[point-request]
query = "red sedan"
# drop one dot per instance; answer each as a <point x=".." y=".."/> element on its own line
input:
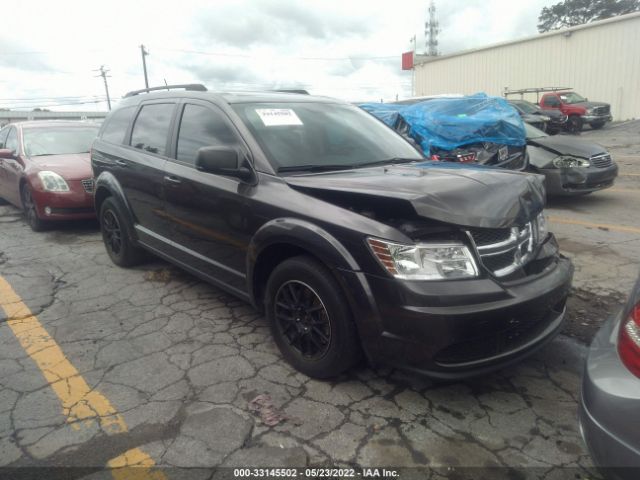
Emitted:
<point x="45" y="170"/>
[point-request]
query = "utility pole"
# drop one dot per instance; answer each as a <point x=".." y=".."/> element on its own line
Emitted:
<point x="431" y="30"/>
<point x="144" y="53"/>
<point x="103" y="74"/>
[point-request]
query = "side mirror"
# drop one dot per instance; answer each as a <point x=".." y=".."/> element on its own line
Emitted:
<point x="7" y="153"/>
<point x="222" y="161"/>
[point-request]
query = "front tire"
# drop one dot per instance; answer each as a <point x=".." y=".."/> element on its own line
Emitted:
<point x="597" y="125"/>
<point x="116" y="235"/>
<point x="574" y="124"/>
<point x="31" y="210"/>
<point x="310" y="318"/>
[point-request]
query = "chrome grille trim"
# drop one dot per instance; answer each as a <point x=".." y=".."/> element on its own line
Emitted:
<point x="601" y="161"/>
<point x="88" y="185"/>
<point x="517" y="249"/>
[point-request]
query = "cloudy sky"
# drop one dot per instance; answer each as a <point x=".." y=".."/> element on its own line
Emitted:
<point x="346" y="49"/>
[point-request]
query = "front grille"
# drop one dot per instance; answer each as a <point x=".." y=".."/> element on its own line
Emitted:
<point x="601" y="110"/>
<point x="601" y="161"/>
<point x="88" y="185"/>
<point x="503" y="250"/>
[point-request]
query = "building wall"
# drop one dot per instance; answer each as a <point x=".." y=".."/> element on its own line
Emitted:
<point x="601" y="61"/>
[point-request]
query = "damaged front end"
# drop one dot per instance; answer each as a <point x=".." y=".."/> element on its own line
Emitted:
<point x="472" y="281"/>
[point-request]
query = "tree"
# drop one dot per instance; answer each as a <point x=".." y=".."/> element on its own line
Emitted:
<point x="570" y="13"/>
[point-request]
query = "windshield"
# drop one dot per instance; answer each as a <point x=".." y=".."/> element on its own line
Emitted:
<point x="572" y="97"/>
<point x="322" y="136"/>
<point x="533" y="132"/>
<point x="61" y="140"/>
<point x="526" y="107"/>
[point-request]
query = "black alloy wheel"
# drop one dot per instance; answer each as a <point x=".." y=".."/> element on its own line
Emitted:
<point x="112" y="233"/>
<point x="117" y="237"/>
<point x="303" y="319"/>
<point x="310" y="318"/>
<point x="30" y="210"/>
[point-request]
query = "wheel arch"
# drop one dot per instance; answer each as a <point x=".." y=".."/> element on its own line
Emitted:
<point x="106" y="185"/>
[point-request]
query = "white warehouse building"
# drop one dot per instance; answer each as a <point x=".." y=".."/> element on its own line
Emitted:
<point x="599" y="60"/>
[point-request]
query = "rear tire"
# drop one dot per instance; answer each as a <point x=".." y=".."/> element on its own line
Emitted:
<point x="310" y="318"/>
<point x="31" y="210"/>
<point x="116" y="235"/>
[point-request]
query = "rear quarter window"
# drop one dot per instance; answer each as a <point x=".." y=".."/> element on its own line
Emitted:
<point x="116" y="125"/>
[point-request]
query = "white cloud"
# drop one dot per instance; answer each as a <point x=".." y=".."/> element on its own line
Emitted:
<point x="323" y="46"/>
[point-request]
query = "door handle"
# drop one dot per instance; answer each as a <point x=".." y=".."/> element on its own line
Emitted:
<point x="121" y="163"/>
<point x="172" y="179"/>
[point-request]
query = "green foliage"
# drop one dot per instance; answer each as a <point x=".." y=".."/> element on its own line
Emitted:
<point x="569" y="13"/>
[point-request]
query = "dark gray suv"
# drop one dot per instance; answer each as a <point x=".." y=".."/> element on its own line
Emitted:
<point x="335" y="226"/>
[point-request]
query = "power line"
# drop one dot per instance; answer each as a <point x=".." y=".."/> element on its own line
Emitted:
<point x="243" y="55"/>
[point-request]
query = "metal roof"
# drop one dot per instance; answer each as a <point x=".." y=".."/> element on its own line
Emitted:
<point x="563" y="31"/>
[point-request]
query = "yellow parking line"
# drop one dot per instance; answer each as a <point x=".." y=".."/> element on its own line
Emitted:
<point x="80" y="403"/>
<point x="629" y="174"/>
<point x="134" y="464"/>
<point x="606" y="226"/>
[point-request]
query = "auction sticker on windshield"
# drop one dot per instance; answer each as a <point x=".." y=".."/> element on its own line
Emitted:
<point x="273" y="117"/>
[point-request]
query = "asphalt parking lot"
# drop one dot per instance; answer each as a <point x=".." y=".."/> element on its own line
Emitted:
<point x="101" y="366"/>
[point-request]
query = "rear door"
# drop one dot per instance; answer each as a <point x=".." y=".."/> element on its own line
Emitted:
<point x="210" y="217"/>
<point x="141" y="171"/>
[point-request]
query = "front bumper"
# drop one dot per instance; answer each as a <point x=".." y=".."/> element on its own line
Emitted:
<point x="596" y="118"/>
<point x="456" y="329"/>
<point x="76" y="204"/>
<point x="578" y="180"/>
<point x="609" y="405"/>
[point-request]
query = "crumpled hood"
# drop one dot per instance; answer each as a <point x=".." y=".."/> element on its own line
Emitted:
<point x="71" y="166"/>
<point x="467" y="196"/>
<point x="565" y="145"/>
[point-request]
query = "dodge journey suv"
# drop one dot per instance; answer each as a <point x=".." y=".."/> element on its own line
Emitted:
<point x="335" y="226"/>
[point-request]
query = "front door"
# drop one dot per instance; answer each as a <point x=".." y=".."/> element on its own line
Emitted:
<point x="209" y="214"/>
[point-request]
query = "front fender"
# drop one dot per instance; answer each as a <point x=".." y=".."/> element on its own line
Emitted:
<point x="324" y="246"/>
<point x="303" y="234"/>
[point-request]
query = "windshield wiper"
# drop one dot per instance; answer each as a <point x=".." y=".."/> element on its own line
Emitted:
<point x="314" y="168"/>
<point x="388" y="161"/>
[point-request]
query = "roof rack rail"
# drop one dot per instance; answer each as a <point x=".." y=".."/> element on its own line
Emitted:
<point x="506" y="92"/>
<point x="194" y="87"/>
<point x="292" y="90"/>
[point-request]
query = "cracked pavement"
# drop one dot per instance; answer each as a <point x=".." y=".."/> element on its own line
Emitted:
<point x="180" y="361"/>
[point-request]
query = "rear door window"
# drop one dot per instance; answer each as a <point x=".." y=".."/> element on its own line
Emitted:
<point x="3" y="136"/>
<point x="117" y="125"/>
<point x="202" y="127"/>
<point x="12" y="140"/>
<point x="151" y="128"/>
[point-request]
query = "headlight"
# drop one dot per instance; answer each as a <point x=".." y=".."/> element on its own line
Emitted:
<point x="567" y="161"/>
<point x="52" y="182"/>
<point x="541" y="226"/>
<point x="437" y="261"/>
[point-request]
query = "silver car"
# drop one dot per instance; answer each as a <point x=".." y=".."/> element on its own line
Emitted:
<point x="610" y="404"/>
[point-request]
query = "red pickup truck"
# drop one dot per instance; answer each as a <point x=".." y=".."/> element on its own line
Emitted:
<point x="578" y="109"/>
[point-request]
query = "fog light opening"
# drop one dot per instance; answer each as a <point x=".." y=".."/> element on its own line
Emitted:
<point x="47" y="210"/>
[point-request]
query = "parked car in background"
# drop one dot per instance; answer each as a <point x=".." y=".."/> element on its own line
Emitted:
<point x="550" y="121"/>
<point x="335" y="226"/>
<point x="474" y="129"/>
<point x="45" y="170"/>
<point x="571" y="166"/>
<point x="578" y="109"/>
<point x="610" y="400"/>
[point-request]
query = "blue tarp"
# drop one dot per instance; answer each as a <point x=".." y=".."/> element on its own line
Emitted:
<point x="452" y="122"/>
